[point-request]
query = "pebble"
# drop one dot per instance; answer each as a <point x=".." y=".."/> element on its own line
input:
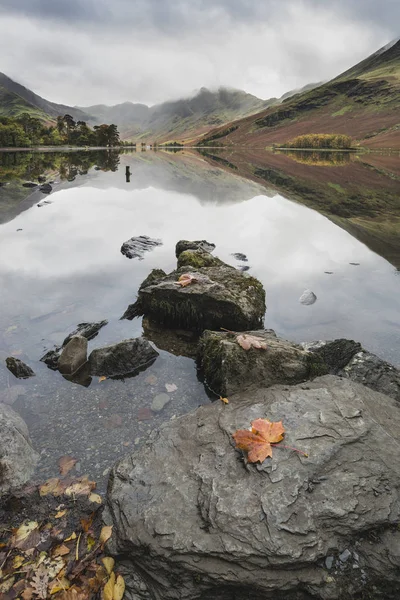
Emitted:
<point x="344" y="557"/>
<point x="329" y="562"/>
<point x="159" y="402"/>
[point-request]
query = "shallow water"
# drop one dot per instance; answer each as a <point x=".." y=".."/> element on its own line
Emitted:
<point x="65" y="267"/>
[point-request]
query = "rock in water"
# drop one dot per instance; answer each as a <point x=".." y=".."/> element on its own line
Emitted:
<point x="29" y="184"/>
<point x="137" y="246"/>
<point x="192" y="520"/>
<point x="240" y="256"/>
<point x="201" y="245"/>
<point x="19" y="368"/>
<point x="73" y="356"/>
<point x="46" y="188"/>
<point x="87" y="330"/>
<point x="307" y="298"/>
<point x="228" y="368"/>
<point x="126" y="358"/>
<point x="17" y="457"/>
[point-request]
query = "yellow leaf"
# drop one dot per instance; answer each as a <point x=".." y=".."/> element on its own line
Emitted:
<point x="23" y="531"/>
<point x="71" y="537"/>
<point x="60" y="514"/>
<point x="66" y="463"/>
<point x="49" y="487"/>
<point x="95" y="498"/>
<point x="59" y="585"/>
<point x="61" y="550"/>
<point x="102" y="378"/>
<point x="119" y="588"/>
<point x="108" y="591"/>
<point x="18" y="562"/>
<point x="7" y="584"/>
<point x="105" y="534"/>
<point x="91" y="542"/>
<point x="224" y="400"/>
<point x="80" y="486"/>
<point x="108" y="563"/>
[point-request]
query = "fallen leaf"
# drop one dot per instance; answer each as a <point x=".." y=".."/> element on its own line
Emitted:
<point x="144" y="414"/>
<point x="257" y="441"/>
<point x="186" y="279"/>
<point x="87" y="523"/>
<point x="224" y="400"/>
<point x="95" y="498"/>
<point x="80" y="486"/>
<point x="105" y="534"/>
<point x="151" y="380"/>
<point x="108" y="591"/>
<point x="60" y="514"/>
<point x="6" y="585"/>
<point x="61" y="550"/>
<point x="18" y="561"/>
<point x="171" y="387"/>
<point x="113" y="422"/>
<point x="91" y="542"/>
<point x="27" y="536"/>
<point x="59" y="585"/>
<point x="108" y="563"/>
<point x="51" y="486"/>
<point x="71" y="537"/>
<point x="40" y="582"/>
<point x="119" y="588"/>
<point x="102" y="378"/>
<point x="247" y="341"/>
<point x="66" y="463"/>
<point x="27" y="594"/>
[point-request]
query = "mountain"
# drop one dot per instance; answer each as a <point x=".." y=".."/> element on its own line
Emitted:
<point x="363" y="102"/>
<point x="16" y="99"/>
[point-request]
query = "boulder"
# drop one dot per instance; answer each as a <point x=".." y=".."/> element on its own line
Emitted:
<point x="17" y="457"/>
<point x="73" y="356"/>
<point x="136" y="247"/>
<point x="202" y="245"/>
<point x="348" y="359"/>
<point x="124" y="359"/>
<point x="193" y="520"/>
<point x="219" y="296"/>
<point x="198" y="259"/>
<point x="227" y="368"/>
<point x="19" y="368"/>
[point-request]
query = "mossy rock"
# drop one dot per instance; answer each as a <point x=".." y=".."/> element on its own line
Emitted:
<point x="198" y="259"/>
<point x="228" y="368"/>
<point x="202" y="245"/>
<point x="219" y="297"/>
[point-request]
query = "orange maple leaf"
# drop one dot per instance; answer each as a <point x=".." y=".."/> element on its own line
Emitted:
<point x="257" y="441"/>
<point x="186" y="279"/>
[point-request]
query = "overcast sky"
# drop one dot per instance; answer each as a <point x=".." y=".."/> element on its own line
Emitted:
<point x="82" y="52"/>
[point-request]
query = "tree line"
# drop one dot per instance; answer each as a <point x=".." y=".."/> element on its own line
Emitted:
<point x="321" y="140"/>
<point x="25" y="130"/>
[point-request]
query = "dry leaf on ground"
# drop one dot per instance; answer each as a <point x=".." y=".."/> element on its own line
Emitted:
<point x="40" y="581"/>
<point x="102" y="378"/>
<point x="119" y="588"/>
<point x="224" y="400"/>
<point x="95" y="498"/>
<point x="247" y="341"/>
<point x="105" y="534"/>
<point x="257" y="441"/>
<point x="60" y="514"/>
<point x="108" y="591"/>
<point x="66" y="463"/>
<point x="80" y="486"/>
<point x="108" y="563"/>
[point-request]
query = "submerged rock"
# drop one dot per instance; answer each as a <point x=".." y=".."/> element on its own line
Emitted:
<point x="29" y="184"/>
<point x="228" y="368"/>
<point x="51" y="358"/>
<point x="19" y="368"/>
<point x="17" y="457"/>
<point x="46" y="188"/>
<point x="218" y="296"/>
<point x="179" y="342"/>
<point x="160" y="401"/>
<point x="192" y="519"/>
<point x="87" y="330"/>
<point x="240" y="256"/>
<point x="73" y="355"/>
<point x="201" y="245"/>
<point x="136" y="247"/>
<point x="124" y="359"/>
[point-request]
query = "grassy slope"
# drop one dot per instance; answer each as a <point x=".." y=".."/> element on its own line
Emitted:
<point x="364" y="102"/>
<point x="12" y="105"/>
<point x="361" y="195"/>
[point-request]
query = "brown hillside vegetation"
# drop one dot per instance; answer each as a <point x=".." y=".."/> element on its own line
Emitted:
<point x="364" y="103"/>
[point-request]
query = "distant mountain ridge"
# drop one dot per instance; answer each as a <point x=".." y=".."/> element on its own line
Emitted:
<point x="174" y="120"/>
<point x="363" y="102"/>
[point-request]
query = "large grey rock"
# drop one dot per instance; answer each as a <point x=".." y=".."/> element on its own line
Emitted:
<point x="192" y="520"/>
<point x="227" y="368"/>
<point x="136" y="247"/>
<point x="73" y="356"/>
<point x="129" y="357"/>
<point x="348" y="359"/>
<point x="219" y="297"/>
<point x="202" y="245"/>
<point x="17" y="457"/>
<point x="18" y="368"/>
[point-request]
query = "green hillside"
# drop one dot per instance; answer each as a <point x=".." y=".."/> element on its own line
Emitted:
<point x="12" y="105"/>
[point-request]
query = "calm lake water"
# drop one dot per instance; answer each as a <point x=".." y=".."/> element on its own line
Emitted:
<point x="60" y="265"/>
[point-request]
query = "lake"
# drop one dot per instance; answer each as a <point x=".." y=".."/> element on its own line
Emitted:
<point x="329" y="223"/>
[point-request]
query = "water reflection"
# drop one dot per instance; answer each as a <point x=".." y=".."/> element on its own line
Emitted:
<point x="318" y="158"/>
<point x="61" y="265"/>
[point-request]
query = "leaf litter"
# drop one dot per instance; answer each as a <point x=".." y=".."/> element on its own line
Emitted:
<point x="60" y="552"/>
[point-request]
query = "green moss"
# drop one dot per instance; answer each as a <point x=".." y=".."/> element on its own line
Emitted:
<point x="198" y="259"/>
<point x="316" y="366"/>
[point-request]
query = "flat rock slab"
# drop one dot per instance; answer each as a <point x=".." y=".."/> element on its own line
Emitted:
<point x="127" y="358"/>
<point x="136" y="247"/>
<point x="228" y="368"/>
<point x="17" y="457"/>
<point x="219" y="296"/>
<point x="18" y="368"/>
<point x="192" y="520"/>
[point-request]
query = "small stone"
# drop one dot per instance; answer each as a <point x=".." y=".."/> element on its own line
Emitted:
<point x="329" y="562"/>
<point x="344" y="557"/>
<point x="159" y="402"/>
<point x="171" y="387"/>
<point x="18" y="368"/>
<point x="137" y="441"/>
<point x="307" y="298"/>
